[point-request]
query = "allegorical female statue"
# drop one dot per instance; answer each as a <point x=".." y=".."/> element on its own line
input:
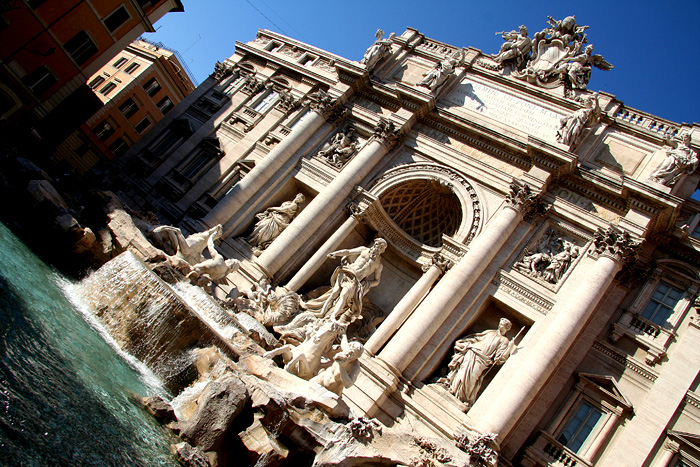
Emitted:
<point x="272" y="222"/>
<point x="473" y="356"/>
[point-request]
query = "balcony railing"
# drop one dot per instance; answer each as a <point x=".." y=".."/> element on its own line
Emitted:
<point x="548" y="451"/>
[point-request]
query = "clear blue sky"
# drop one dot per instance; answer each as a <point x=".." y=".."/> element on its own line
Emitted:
<point x="652" y="44"/>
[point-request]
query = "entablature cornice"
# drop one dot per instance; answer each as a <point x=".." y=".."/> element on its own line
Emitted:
<point x="279" y="61"/>
<point x="551" y="158"/>
<point x="662" y="207"/>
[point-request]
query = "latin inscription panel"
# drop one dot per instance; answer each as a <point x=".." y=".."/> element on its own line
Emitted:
<point x="506" y="109"/>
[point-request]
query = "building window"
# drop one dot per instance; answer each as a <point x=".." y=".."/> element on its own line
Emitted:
<point x="131" y="68"/>
<point x="40" y="80"/>
<point x="266" y="103"/>
<point x="273" y="46"/>
<point x="120" y="62"/>
<point x="661" y="304"/>
<point x="579" y="427"/>
<point x="128" y="107"/>
<point x="81" y="47"/>
<point x="116" y="19"/>
<point x="96" y="82"/>
<point x="165" y="105"/>
<point x="119" y="147"/>
<point x="109" y="87"/>
<point x="307" y="60"/>
<point x="144" y="4"/>
<point x="35" y="3"/>
<point x="104" y="130"/>
<point x="152" y="87"/>
<point x="143" y="124"/>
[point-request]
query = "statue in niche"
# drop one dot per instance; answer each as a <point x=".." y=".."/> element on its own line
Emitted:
<point x="680" y="159"/>
<point x="571" y="127"/>
<point x="345" y="367"/>
<point x="378" y="50"/>
<point x="188" y="249"/>
<point x="435" y="78"/>
<point x="578" y="69"/>
<point x="340" y="148"/>
<point x="550" y="260"/>
<point x="516" y="49"/>
<point x="360" y="269"/>
<point x="271" y="222"/>
<point x="473" y="357"/>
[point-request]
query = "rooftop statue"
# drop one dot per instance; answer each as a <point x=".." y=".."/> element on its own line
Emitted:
<point x="271" y="222"/>
<point x="378" y="50"/>
<point x="435" y="78"/>
<point x="516" y="49"/>
<point x="555" y="54"/>
<point x="680" y="159"/>
<point x="571" y="127"/>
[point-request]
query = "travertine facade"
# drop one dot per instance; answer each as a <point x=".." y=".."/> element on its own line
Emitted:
<point x="504" y="188"/>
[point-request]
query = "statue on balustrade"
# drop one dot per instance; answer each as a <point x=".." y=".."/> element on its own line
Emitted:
<point x="378" y="50"/>
<point x="435" y="78"/>
<point x="571" y="127"/>
<point x="341" y="147"/>
<point x="473" y="357"/>
<point x="516" y="49"/>
<point x="272" y="222"/>
<point x="680" y="159"/>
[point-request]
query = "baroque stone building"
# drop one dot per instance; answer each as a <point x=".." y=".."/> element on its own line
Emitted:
<point x="504" y="189"/>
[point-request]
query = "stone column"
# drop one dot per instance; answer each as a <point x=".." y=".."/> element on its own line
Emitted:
<point x="669" y="450"/>
<point x="329" y="199"/>
<point x="425" y="321"/>
<point x="246" y="188"/>
<point x="403" y="309"/>
<point x="321" y="254"/>
<point x="602" y="438"/>
<point x="572" y="311"/>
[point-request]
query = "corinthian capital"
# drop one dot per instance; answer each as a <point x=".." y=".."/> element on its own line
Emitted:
<point x="222" y="70"/>
<point x="521" y="198"/>
<point x="615" y="244"/>
<point x="386" y="133"/>
<point x="440" y="262"/>
<point x="323" y="104"/>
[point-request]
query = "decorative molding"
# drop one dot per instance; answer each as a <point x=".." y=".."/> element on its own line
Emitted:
<point x="386" y="134"/>
<point x="616" y="244"/>
<point x="516" y="289"/>
<point x="623" y="359"/>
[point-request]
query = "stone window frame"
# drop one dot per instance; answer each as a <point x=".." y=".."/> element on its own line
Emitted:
<point x="145" y="123"/>
<point x="131" y="68"/>
<point x="602" y="393"/>
<point x="81" y="48"/>
<point x="308" y="59"/>
<point x="678" y="447"/>
<point x="129" y="107"/>
<point x="273" y="46"/>
<point x="107" y="20"/>
<point x="261" y="99"/>
<point x="648" y="335"/>
<point x="199" y="160"/>
<point x="167" y="141"/>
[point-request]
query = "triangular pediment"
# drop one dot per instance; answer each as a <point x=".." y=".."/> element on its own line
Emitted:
<point x="608" y="385"/>
<point x="691" y="440"/>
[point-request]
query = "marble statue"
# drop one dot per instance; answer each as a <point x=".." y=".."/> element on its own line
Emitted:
<point x="559" y="263"/>
<point x="259" y="292"/>
<point x="571" y="127"/>
<point x="578" y="69"/>
<point x="473" y="356"/>
<point x="378" y="50"/>
<point x="271" y="222"/>
<point x="188" y="249"/>
<point x="214" y="269"/>
<point x="680" y="159"/>
<point x="435" y="78"/>
<point x="340" y="148"/>
<point x="344" y="370"/>
<point x="304" y="360"/>
<point x="516" y="49"/>
<point x="557" y="54"/>
<point x="360" y="269"/>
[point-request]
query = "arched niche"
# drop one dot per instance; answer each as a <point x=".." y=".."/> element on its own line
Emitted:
<point x="423" y="208"/>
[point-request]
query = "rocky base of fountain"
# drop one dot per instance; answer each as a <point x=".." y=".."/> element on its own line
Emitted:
<point x="232" y="405"/>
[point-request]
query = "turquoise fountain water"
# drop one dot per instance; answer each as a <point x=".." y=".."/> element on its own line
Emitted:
<point x="67" y="394"/>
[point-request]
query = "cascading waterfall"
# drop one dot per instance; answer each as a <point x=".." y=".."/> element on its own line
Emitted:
<point x="66" y="396"/>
